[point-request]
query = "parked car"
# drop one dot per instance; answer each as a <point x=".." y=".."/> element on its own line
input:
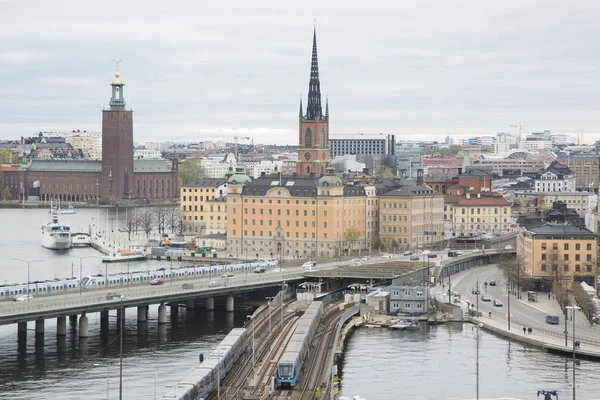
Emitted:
<point x="475" y="291"/>
<point x="157" y="281"/>
<point x="414" y="258"/>
<point x="113" y="295"/>
<point x="497" y="303"/>
<point x="187" y="285"/>
<point x="259" y="270"/>
<point x="407" y="253"/>
<point x="486" y="297"/>
<point x="228" y="275"/>
<point x="23" y="297"/>
<point x="214" y="284"/>
<point x="309" y="265"/>
<point x="492" y="283"/>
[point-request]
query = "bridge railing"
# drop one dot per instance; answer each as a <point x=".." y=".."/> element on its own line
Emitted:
<point x="152" y="293"/>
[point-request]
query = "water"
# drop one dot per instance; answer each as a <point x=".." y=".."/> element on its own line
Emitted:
<point x="439" y="362"/>
<point x="432" y="363"/>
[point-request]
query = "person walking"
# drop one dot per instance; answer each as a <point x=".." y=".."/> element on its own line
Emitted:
<point x="524" y="330"/>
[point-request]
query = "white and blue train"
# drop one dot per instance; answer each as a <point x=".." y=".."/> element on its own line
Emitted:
<point x="296" y="351"/>
<point x="203" y="379"/>
<point x="58" y="286"/>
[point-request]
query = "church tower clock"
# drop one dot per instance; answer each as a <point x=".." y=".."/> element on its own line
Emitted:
<point x="313" y="138"/>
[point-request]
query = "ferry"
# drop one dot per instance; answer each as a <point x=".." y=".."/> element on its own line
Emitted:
<point x="123" y="255"/>
<point x="56" y="236"/>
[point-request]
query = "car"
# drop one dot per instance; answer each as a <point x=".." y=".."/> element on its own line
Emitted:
<point x="414" y="258"/>
<point x="259" y="270"/>
<point x="407" y="253"/>
<point x="228" y="275"/>
<point x="486" y="297"/>
<point x="492" y="283"/>
<point x="453" y="253"/>
<point x="366" y="258"/>
<point x="309" y="264"/>
<point x="508" y="247"/>
<point x="497" y="303"/>
<point x="388" y="256"/>
<point x="425" y="252"/>
<point x="432" y="255"/>
<point x="475" y="291"/>
<point x="277" y="270"/>
<point x="113" y="295"/>
<point x="476" y="250"/>
<point x="187" y="285"/>
<point x="214" y="284"/>
<point x="157" y="281"/>
<point x="552" y="319"/>
<point x="23" y="297"/>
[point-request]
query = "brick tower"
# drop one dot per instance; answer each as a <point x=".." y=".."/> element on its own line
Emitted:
<point x="117" y="146"/>
<point x="313" y="141"/>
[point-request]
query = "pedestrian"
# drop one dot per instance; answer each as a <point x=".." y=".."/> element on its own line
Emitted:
<point x="549" y="296"/>
<point x="529" y="330"/>
<point x="524" y="329"/>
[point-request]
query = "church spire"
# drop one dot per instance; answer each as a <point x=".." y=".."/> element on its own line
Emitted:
<point x="313" y="110"/>
<point x="300" y="115"/>
<point x="327" y="106"/>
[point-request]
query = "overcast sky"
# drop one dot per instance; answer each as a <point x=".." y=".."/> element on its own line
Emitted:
<point x="205" y="70"/>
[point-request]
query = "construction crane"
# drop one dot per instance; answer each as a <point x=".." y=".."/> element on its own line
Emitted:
<point x="235" y="139"/>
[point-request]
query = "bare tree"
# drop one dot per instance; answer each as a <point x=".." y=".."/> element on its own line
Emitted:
<point x="182" y="225"/>
<point x="146" y="221"/>
<point x="130" y="224"/>
<point x="160" y="216"/>
<point x="172" y="218"/>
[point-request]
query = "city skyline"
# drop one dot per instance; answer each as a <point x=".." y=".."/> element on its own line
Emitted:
<point x="198" y="73"/>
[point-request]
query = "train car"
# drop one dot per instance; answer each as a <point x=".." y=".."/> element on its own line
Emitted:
<point x="203" y="380"/>
<point x="122" y="279"/>
<point x="290" y="363"/>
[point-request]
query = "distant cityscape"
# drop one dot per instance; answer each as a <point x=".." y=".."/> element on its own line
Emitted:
<point x="325" y="197"/>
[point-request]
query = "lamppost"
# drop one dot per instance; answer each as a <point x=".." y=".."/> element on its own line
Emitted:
<point x="283" y="286"/>
<point x="269" y="300"/>
<point x="573" y="308"/>
<point x="480" y="325"/>
<point x="250" y="318"/>
<point x="508" y="294"/>
<point x="81" y="271"/>
<point x="27" y="262"/>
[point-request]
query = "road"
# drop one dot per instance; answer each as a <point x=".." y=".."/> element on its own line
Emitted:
<point x="523" y="312"/>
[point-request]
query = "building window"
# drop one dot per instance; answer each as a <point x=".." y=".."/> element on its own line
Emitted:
<point x="577" y="246"/>
<point x="589" y="246"/>
<point x="577" y="268"/>
<point x="566" y="247"/>
<point x="577" y="257"/>
<point x="544" y="267"/>
<point x="588" y="257"/>
<point x="543" y="246"/>
<point x="566" y="257"/>
<point x="566" y="267"/>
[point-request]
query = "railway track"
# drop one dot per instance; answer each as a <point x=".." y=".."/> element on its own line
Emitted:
<point x="234" y="383"/>
<point x="320" y="356"/>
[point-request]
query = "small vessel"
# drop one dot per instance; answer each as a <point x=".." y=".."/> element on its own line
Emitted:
<point x="132" y="254"/>
<point x="56" y="236"/>
<point x="68" y="210"/>
<point x="81" y="239"/>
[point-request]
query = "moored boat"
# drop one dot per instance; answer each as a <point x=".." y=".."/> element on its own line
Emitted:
<point x="125" y="255"/>
<point x="56" y="236"/>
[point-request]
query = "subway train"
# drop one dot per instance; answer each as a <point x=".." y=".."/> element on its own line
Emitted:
<point x="58" y="286"/>
<point x="203" y="379"/>
<point x="290" y="364"/>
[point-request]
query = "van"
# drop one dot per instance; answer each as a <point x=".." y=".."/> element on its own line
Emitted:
<point x="309" y="265"/>
<point x="552" y="319"/>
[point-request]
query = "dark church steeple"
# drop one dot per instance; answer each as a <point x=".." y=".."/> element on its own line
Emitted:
<point x="313" y="110"/>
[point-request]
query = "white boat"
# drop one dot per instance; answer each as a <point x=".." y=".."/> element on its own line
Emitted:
<point x="125" y="255"/>
<point x="59" y="210"/>
<point x="56" y="236"/>
<point x="81" y="239"/>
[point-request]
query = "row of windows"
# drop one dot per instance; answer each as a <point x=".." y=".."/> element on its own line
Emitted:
<point x="566" y="246"/>
<point x="185" y="198"/>
<point x="196" y="190"/>
<point x="408" y="306"/>
<point x="305" y="223"/>
<point x="418" y="293"/>
<point x="588" y="268"/>
<point x="566" y="257"/>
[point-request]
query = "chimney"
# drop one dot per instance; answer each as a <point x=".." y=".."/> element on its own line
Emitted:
<point x="468" y="195"/>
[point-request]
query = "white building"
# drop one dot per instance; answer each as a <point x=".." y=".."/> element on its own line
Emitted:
<point x="146" y="154"/>
<point x="556" y="178"/>
<point x="89" y="142"/>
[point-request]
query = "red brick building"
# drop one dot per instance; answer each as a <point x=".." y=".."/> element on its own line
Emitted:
<point x="118" y="176"/>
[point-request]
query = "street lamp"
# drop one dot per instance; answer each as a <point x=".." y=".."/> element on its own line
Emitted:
<point x="269" y="300"/>
<point x="480" y="325"/>
<point x="283" y="286"/>
<point x="573" y="308"/>
<point x="28" y="262"/>
<point x="81" y="271"/>
<point x="508" y="294"/>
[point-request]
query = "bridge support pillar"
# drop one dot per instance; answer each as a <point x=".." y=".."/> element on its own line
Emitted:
<point x="190" y="304"/>
<point x="61" y="326"/>
<point x="229" y="304"/>
<point x="103" y="316"/>
<point x="73" y="320"/>
<point x="39" y="327"/>
<point x="174" y="311"/>
<point x="83" y="326"/>
<point x="210" y="303"/>
<point x="162" y="314"/>
<point x="142" y="314"/>
<point x="22" y="328"/>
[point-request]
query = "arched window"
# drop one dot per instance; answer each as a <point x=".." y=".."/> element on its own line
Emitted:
<point x="322" y="139"/>
<point x="308" y="138"/>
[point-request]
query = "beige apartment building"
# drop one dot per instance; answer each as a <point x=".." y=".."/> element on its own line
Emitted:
<point x="411" y="216"/>
<point x="203" y="207"/>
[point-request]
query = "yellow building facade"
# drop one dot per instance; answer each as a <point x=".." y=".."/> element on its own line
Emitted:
<point x="561" y="252"/>
<point x="202" y="208"/>
<point x="411" y="216"/>
<point x="294" y="217"/>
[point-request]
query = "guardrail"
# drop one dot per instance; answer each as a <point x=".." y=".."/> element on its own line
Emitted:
<point x="345" y="316"/>
<point x="156" y="294"/>
<point x="559" y="334"/>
